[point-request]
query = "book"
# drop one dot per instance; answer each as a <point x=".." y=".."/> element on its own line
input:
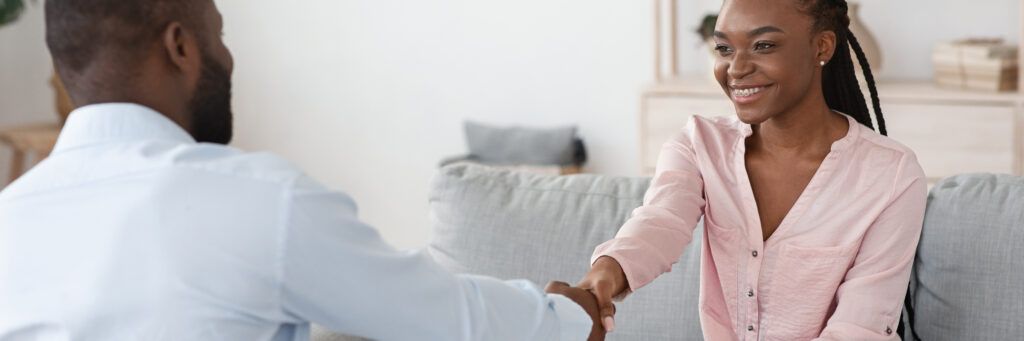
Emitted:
<point x="982" y="64"/>
<point x="978" y="49"/>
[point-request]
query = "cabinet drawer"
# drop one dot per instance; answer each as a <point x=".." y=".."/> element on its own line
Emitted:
<point x="663" y="117"/>
<point x="953" y="139"/>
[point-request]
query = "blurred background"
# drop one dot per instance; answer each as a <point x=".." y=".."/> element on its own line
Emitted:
<point x="368" y="96"/>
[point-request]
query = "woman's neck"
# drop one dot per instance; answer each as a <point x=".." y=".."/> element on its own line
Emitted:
<point x="809" y="130"/>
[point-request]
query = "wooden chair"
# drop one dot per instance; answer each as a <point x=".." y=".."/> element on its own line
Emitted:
<point x="36" y="140"/>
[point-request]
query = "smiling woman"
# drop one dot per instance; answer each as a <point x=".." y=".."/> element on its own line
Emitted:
<point x="831" y="41"/>
<point x="811" y="217"/>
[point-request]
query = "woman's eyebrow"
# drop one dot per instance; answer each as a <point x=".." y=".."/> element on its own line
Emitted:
<point x="764" y="30"/>
<point x="753" y="33"/>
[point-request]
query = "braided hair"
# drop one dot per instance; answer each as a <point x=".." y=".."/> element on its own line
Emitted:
<point x="839" y="79"/>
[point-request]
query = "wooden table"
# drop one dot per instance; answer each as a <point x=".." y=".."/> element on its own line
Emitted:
<point x="36" y="140"/>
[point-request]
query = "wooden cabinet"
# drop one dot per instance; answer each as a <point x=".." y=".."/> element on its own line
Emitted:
<point x="957" y="138"/>
<point x="666" y="115"/>
<point x="952" y="132"/>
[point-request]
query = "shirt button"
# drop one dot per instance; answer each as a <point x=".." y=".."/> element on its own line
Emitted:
<point x="750" y="293"/>
<point x="888" y="330"/>
<point x="750" y="328"/>
<point x="754" y="253"/>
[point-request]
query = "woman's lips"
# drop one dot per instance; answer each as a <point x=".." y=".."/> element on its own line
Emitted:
<point x="747" y="94"/>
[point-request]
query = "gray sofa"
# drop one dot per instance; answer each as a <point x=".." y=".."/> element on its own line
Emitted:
<point x="967" y="281"/>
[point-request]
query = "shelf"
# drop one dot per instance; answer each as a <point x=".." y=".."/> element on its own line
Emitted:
<point x="889" y="91"/>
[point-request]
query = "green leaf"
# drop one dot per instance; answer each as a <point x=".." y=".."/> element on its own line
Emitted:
<point x="10" y="10"/>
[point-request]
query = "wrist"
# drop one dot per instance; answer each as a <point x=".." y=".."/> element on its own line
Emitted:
<point x="611" y="270"/>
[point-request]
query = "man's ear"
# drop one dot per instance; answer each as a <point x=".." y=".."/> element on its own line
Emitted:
<point x="825" y="45"/>
<point x="182" y="50"/>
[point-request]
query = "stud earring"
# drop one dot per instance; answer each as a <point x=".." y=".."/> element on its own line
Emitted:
<point x="822" y="63"/>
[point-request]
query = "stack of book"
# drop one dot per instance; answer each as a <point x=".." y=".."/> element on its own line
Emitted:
<point x="979" y="64"/>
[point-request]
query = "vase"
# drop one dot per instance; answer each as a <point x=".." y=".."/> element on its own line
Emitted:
<point x="866" y="39"/>
<point x="62" y="102"/>
<point x="712" y="59"/>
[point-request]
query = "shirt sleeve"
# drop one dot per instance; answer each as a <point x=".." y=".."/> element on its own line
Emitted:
<point x="870" y="299"/>
<point x="339" y="273"/>
<point x="654" y="238"/>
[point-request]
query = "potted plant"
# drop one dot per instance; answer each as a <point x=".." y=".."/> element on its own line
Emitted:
<point x="706" y="31"/>
<point x="707" y="27"/>
<point x="10" y="11"/>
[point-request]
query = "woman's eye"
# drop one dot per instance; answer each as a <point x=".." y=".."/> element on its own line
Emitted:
<point x="722" y="49"/>
<point x="763" y="46"/>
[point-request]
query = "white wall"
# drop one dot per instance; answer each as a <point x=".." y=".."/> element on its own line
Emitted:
<point x="25" y="69"/>
<point x="367" y="95"/>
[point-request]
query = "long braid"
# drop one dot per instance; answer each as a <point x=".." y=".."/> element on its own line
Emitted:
<point x="840" y="86"/>
<point x="839" y="77"/>
<point x="870" y="79"/>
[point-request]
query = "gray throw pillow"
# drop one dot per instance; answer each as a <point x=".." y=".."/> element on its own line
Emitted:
<point x="521" y="146"/>
<point x="516" y="225"/>
<point x="969" y="272"/>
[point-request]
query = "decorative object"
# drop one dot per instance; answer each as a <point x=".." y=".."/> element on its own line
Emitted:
<point x="977" y="64"/>
<point x="61" y="98"/>
<point x="707" y="27"/>
<point x="706" y="30"/>
<point x="540" y="150"/>
<point x="10" y="10"/>
<point x="866" y="39"/>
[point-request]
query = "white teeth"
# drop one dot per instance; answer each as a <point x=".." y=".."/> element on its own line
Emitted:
<point x="746" y="92"/>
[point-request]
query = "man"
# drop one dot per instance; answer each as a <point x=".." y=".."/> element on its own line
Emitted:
<point x="142" y="225"/>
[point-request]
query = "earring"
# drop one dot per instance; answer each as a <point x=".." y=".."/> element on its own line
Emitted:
<point x="822" y="63"/>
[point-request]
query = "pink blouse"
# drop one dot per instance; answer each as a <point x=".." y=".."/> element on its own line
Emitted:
<point x="837" y="267"/>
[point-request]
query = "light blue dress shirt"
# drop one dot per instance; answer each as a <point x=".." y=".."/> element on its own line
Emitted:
<point x="131" y="230"/>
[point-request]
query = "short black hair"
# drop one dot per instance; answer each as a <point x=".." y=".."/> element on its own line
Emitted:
<point x="78" y="31"/>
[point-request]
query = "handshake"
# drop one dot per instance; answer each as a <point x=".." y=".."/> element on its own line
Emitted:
<point x="594" y="293"/>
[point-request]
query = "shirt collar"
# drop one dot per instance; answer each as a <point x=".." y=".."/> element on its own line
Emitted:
<point x="851" y="134"/>
<point x="108" y="122"/>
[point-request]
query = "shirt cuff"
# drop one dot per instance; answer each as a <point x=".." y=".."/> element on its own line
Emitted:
<point x="574" y="322"/>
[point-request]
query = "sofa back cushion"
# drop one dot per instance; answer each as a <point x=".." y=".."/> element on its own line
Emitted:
<point x="969" y="272"/>
<point x="542" y="228"/>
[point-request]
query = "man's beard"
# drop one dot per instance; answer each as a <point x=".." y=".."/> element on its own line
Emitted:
<point x="210" y="108"/>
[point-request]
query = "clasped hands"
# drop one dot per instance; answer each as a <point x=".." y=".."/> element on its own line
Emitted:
<point x="595" y="292"/>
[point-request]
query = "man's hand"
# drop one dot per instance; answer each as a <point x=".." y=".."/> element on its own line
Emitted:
<point x="586" y="300"/>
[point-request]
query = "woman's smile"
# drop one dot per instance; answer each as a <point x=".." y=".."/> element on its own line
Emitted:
<point x="746" y="94"/>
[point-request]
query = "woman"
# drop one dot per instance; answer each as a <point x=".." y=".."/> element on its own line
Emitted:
<point x="811" y="218"/>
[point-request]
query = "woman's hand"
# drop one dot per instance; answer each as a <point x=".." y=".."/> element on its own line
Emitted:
<point x="605" y="280"/>
<point x="586" y="300"/>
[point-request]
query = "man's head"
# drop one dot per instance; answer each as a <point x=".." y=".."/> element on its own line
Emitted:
<point x="165" y="54"/>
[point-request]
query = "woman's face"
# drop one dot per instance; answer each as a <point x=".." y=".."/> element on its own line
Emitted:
<point x="767" y="57"/>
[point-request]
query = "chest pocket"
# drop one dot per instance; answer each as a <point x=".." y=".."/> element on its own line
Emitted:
<point x="803" y="289"/>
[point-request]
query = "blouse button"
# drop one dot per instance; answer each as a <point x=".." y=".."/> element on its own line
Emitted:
<point x="754" y="253"/>
<point x="750" y="293"/>
<point x="750" y="328"/>
<point x="888" y="330"/>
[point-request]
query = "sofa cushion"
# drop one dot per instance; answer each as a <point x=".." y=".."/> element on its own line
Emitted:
<point x="542" y="228"/>
<point x="521" y="146"/>
<point x="969" y="272"/>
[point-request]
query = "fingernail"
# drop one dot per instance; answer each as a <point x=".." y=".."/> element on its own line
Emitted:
<point x="609" y="324"/>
